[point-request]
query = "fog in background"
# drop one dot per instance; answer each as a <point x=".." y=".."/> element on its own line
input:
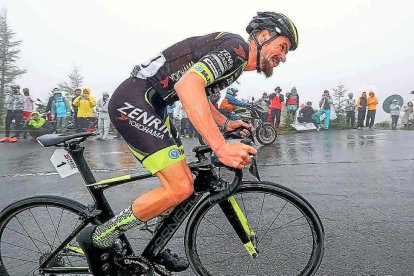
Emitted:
<point x="355" y="43"/>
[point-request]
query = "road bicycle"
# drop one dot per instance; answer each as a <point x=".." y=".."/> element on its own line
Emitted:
<point x="233" y="227"/>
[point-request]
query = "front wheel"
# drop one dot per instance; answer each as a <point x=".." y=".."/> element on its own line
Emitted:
<point x="266" y="134"/>
<point x="288" y="234"/>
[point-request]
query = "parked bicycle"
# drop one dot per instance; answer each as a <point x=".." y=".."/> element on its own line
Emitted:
<point x="238" y="227"/>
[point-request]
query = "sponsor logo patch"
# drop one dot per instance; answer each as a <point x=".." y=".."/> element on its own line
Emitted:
<point x="174" y="153"/>
<point x="198" y="68"/>
<point x="240" y="51"/>
<point x="164" y="82"/>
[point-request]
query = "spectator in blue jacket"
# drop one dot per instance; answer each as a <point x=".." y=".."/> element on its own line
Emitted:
<point x="60" y="112"/>
<point x="229" y="103"/>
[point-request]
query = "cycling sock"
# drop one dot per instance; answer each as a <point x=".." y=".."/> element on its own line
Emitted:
<point x="105" y="235"/>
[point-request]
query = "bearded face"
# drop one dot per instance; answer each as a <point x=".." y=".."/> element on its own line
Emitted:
<point x="267" y="68"/>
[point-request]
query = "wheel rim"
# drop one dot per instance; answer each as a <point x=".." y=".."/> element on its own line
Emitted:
<point x="28" y="236"/>
<point x="267" y="134"/>
<point x="220" y="252"/>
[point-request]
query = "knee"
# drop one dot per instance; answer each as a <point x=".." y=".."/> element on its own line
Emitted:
<point x="180" y="191"/>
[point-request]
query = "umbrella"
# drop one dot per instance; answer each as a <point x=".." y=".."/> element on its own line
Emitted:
<point x="388" y="101"/>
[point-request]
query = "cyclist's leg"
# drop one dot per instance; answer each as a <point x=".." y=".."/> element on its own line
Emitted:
<point x="139" y="115"/>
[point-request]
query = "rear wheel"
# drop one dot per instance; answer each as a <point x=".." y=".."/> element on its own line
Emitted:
<point x="32" y="229"/>
<point x="288" y="234"/>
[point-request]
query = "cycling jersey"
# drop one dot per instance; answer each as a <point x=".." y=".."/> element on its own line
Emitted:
<point x="138" y="106"/>
<point x="218" y="58"/>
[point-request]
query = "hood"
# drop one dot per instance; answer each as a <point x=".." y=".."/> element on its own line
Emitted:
<point x="371" y="94"/>
<point x="87" y="91"/>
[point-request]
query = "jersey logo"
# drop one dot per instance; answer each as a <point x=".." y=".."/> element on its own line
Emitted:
<point x="174" y="153"/>
<point x="164" y="82"/>
<point x="240" y="51"/>
<point x="122" y="117"/>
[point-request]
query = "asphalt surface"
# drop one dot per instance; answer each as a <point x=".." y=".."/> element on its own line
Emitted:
<point x="360" y="182"/>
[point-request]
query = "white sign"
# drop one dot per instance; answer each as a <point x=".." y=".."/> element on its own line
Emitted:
<point x="303" y="126"/>
<point x="63" y="163"/>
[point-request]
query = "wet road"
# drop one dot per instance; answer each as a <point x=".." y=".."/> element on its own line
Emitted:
<point x="360" y="182"/>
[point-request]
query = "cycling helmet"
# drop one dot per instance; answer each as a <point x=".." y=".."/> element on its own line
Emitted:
<point x="277" y="23"/>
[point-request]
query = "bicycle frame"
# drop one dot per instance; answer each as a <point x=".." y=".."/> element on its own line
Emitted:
<point x="169" y="225"/>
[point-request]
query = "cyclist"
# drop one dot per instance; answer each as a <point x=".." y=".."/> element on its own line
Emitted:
<point x="188" y="71"/>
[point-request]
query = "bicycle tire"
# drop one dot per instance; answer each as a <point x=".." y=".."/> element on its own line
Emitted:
<point x="196" y="243"/>
<point x="52" y="205"/>
<point x="271" y="136"/>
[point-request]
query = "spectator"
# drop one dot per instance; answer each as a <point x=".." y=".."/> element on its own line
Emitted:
<point x="408" y="117"/>
<point x="307" y="113"/>
<point x="325" y="108"/>
<point x="264" y="102"/>
<point x="27" y="107"/>
<point x="187" y="129"/>
<point x="28" y="104"/>
<point x="395" y="110"/>
<point x="103" y="116"/>
<point x="276" y="100"/>
<point x="85" y="103"/>
<point x="372" y="102"/>
<point x="292" y="101"/>
<point x="170" y="110"/>
<point x="77" y="93"/>
<point x="350" y="105"/>
<point x="49" y="104"/>
<point x="60" y="112"/>
<point x="214" y="99"/>
<point x="228" y="104"/>
<point x="36" y="125"/>
<point x="14" y="105"/>
<point x="362" y="109"/>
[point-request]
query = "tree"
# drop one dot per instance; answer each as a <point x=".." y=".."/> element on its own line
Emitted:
<point x="339" y="93"/>
<point x="75" y="81"/>
<point x="9" y="54"/>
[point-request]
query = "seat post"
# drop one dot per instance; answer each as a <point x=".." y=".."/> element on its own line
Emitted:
<point x="79" y="159"/>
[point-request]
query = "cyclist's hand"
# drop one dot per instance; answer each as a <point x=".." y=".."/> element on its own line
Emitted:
<point x="235" y="155"/>
<point x="232" y="125"/>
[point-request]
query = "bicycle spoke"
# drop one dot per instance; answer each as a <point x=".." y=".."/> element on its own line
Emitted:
<point x="275" y="218"/>
<point x="260" y="214"/>
<point x="56" y="229"/>
<point x="18" y="259"/>
<point x="25" y="235"/>
<point x="40" y="229"/>
<point x="28" y="234"/>
<point x="221" y="230"/>
<point x="22" y="247"/>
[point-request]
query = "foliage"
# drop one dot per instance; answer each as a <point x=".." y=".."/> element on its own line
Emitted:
<point x="9" y="54"/>
<point x="383" y="125"/>
<point x="75" y="81"/>
<point x="339" y="93"/>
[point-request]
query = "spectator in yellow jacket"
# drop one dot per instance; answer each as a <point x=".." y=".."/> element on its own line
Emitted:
<point x="372" y="102"/>
<point x="85" y="103"/>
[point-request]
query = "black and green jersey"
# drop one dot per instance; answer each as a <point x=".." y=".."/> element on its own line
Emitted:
<point x="219" y="58"/>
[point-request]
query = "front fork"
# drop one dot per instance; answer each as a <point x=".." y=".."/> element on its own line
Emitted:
<point x="239" y="222"/>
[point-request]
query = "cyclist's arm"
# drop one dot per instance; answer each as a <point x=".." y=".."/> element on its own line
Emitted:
<point x="219" y="118"/>
<point x="190" y="89"/>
